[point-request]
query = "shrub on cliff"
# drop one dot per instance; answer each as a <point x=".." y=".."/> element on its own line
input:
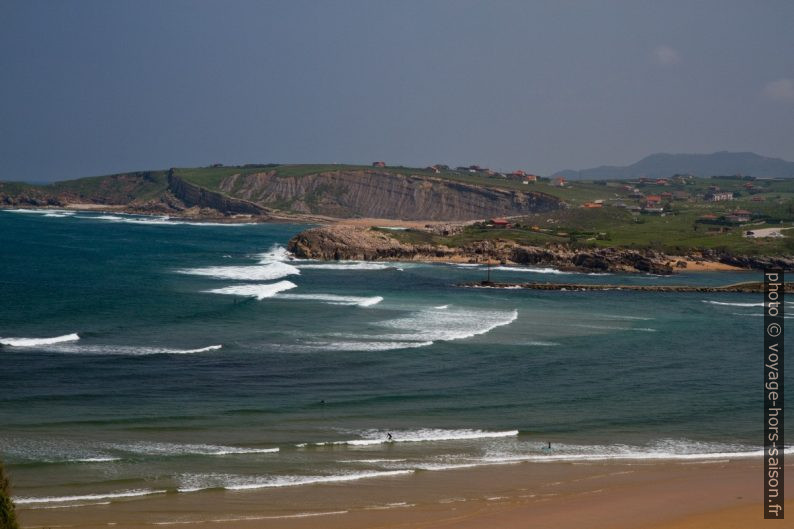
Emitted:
<point x="8" y="519"/>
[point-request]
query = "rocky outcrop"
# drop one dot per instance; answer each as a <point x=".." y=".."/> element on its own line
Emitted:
<point x="749" y="287"/>
<point x="381" y="194"/>
<point x="341" y="242"/>
<point x="195" y="196"/>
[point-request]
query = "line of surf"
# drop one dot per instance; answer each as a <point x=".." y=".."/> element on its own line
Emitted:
<point x="85" y="497"/>
<point x="254" y="290"/>
<point x="199" y="482"/>
<point x="416" y="436"/>
<point x="260" y="272"/>
<point x="33" y="342"/>
<point x="333" y="299"/>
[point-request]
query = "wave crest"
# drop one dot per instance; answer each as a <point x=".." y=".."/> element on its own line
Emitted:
<point x="33" y="342"/>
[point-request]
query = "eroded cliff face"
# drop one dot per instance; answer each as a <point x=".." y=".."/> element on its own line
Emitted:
<point x="379" y="194"/>
<point x="194" y="196"/>
<point x="342" y="242"/>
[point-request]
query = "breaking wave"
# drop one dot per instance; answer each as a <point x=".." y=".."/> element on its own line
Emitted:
<point x="33" y="342"/>
<point x="258" y="291"/>
<point x="726" y="304"/>
<point x="376" y="437"/>
<point x="446" y="324"/>
<point x="332" y="299"/>
<point x="173" y="449"/>
<point x="84" y="497"/>
<point x="197" y="482"/>
<point x="349" y="265"/>
<point x="126" y="350"/>
<point x="262" y="272"/>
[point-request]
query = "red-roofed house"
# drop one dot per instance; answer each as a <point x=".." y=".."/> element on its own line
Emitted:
<point x="500" y="223"/>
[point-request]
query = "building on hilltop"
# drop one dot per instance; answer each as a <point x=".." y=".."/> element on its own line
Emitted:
<point x="718" y="196"/>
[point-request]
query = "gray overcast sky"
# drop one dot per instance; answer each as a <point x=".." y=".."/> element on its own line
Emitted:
<point x="93" y="87"/>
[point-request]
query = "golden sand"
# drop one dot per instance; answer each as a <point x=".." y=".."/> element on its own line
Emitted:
<point x="615" y="495"/>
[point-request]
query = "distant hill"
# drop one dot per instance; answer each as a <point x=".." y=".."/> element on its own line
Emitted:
<point x="272" y="191"/>
<point x="665" y="165"/>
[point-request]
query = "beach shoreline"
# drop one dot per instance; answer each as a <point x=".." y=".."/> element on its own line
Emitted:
<point x="598" y="494"/>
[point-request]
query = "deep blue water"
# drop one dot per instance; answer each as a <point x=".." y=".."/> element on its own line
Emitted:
<point x="168" y="386"/>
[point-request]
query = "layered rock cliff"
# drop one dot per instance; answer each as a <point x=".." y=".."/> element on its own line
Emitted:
<point x="192" y="195"/>
<point x="264" y="192"/>
<point x="381" y="194"/>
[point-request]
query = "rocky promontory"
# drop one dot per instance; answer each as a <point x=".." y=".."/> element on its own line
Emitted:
<point x="344" y="242"/>
<point x="351" y="242"/>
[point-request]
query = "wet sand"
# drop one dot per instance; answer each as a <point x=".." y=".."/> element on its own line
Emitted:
<point x="596" y="495"/>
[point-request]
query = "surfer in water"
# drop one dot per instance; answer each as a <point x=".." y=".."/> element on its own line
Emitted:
<point x="389" y="437"/>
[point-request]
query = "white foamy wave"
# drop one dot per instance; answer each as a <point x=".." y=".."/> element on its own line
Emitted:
<point x="71" y="506"/>
<point x="274" y="255"/>
<point x="530" y="270"/>
<point x="84" y="497"/>
<point x="376" y="437"/>
<point x="441" y="307"/>
<point x="258" y="291"/>
<point x="349" y="265"/>
<point x="622" y="317"/>
<point x="196" y="482"/>
<point x="33" y="342"/>
<point x="758" y="315"/>
<point x="127" y="350"/>
<point x="355" y="345"/>
<point x="662" y="450"/>
<point x="726" y="304"/>
<point x="275" y="270"/>
<point x="59" y="214"/>
<point x="173" y="449"/>
<point x="370" y="461"/>
<point x="45" y="212"/>
<point x="613" y="328"/>
<point x="333" y="299"/>
<point x="157" y="220"/>
<point x="251" y="518"/>
<point x="445" y="324"/>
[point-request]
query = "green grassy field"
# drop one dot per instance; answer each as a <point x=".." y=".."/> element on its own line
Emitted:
<point x="678" y="231"/>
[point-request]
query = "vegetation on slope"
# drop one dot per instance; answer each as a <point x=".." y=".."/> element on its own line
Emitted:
<point x="680" y="230"/>
<point x="8" y="519"/>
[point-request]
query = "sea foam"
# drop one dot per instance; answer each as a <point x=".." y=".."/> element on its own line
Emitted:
<point x="197" y="482"/>
<point x="174" y="449"/>
<point x="109" y="495"/>
<point x="333" y="299"/>
<point x="349" y="265"/>
<point x="126" y="350"/>
<point x="376" y="437"/>
<point x="727" y="304"/>
<point x="33" y="342"/>
<point x="262" y="272"/>
<point x="448" y="324"/>
<point x="258" y="291"/>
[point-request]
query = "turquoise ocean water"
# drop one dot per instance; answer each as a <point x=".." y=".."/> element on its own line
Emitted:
<point x="142" y="355"/>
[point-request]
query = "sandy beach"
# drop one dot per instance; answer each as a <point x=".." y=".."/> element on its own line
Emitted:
<point x="608" y="495"/>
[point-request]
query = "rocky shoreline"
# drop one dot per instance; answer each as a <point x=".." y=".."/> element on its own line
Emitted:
<point x="344" y="242"/>
<point x="750" y="287"/>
